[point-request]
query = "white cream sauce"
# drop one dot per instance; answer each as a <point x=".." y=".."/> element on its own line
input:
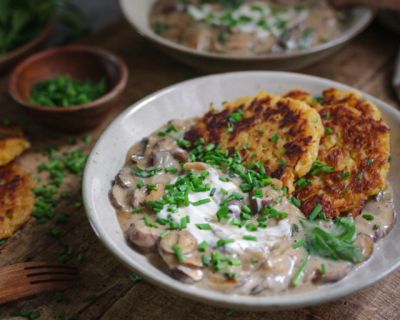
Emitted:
<point x="206" y="213"/>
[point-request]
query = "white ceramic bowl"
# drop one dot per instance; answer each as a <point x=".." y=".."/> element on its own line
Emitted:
<point x="137" y="13"/>
<point x="192" y="98"/>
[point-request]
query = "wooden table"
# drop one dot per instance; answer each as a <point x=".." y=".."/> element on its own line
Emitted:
<point x="106" y="291"/>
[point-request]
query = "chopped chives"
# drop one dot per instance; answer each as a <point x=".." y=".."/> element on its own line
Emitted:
<point x="212" y="192"/>
<point x="296" y="202"/>
<point x="251" y="227"/>
<point x="206" y="260"/>
<point x="275" y="137"/>
<point x="250" y="238"/>
<point x="203" y="226"/>
<point x="223" y="242"/>
<point x="345" y="175"/>
<point x="179" y="252"/>
<point x="183" y="143"/>
<point x="323" y="268"/>
<point x="300" y="273"/>
<point x="184" y="221"/>
<point x="201" y="202"/>
<point x="202" y="246"/>
<point x="328" y="115"/>
<point x="298" y="244"/>
<point x="315" y="212"/>
<point x="222" y="213"/>
<point x="164" y="233"/>
<point x="149" y="222"/>
<point x="329" y="131"/>
<point x="368" y="217"/>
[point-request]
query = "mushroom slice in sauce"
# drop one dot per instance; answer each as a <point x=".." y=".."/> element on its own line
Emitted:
<point x="119" y="198"/>
<point x="366" y="244"/>
<point x="157" y="193"/>
<point x="138" y="197"/>
<point x="125" y="179"/>
<point x="188" y="271"/>
<point x="139" y="154"/>
<point x="226" y="281"/>
<point x="181" y="155"/>
<point x="269" y="196"/>
<point x="187" y="274"/>
<point x="198" y="38"/>
<point x="164" y="159"/>
<point x="142" y="236"/>
<point x="332" y="274"/>
<point x="183" y="238"/>
<point x="200" y="166"/>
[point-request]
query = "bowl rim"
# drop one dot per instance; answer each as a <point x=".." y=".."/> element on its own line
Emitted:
<point x="344" y="37"/>
<point x="110" y="95"/>
<point x="253" y="303"/>
<point x="36" y="40"/>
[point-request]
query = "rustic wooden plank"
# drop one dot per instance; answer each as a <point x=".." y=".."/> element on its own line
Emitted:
<point x="365" y="63"/>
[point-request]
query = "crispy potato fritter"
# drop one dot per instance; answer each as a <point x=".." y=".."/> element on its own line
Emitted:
<point x="12" y="144"/>
<point x="16" y="199"/>
<point x="353" y="158"/>
<point x="282" y="133"/>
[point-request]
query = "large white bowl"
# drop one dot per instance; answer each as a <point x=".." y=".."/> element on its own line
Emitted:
<point x="192" y="98"/>
<point x="137" y="13"/>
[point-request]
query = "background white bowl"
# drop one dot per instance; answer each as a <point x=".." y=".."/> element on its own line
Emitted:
<point x="137" y="13"/>
<point x="192" y="98"/>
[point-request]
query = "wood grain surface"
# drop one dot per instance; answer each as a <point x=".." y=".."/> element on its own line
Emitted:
<point x="106" y="291"/>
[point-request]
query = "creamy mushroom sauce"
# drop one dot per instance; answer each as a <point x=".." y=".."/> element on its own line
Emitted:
<point x="247" y="27"/>
<point x="244" y="249"/>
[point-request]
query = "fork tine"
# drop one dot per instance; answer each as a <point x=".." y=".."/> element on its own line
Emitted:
<point x="40" y="271"/>
<point x="31" y="278"/>
<point x="42" y="264"/>
<point x="53" y="277"/>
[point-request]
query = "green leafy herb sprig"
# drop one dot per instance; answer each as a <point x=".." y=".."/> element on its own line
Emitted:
<point x="22" y="20"/>
<point x="337" y="244"/>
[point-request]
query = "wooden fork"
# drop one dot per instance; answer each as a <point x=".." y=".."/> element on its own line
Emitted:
<point x="31" y="278"/>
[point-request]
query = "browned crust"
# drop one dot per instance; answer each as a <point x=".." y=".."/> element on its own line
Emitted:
<point x="263" y="112"/>
<point x="16" y="199"/>
<point x="362" y="138"/>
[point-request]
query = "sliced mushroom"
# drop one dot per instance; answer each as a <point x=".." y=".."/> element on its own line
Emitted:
<point x="163" y="159"/>
<point x="142" y="236"/>
<point x="269" y="196"/>
<point x="118" y="197"/>
<point x="138" y="197"/>
<point x="188" y="270"/>
<point x="183" y="238"/>
<point x="198" y="38"/>
<point x="200" y="166"/>
<point x="224" y="281"/>
<point x="265" y="45"/>
<point x="139" y="155"/>
<point x="187" y="274"/>
<point x="124" y="178"/>
<point x="181" y="155"/>
<point x="278" y="269"/>
<point x="366" y="244"/>
<point x="157" y="193"/>
<point x="164" y="145"/>
<point x="332" y="274"/>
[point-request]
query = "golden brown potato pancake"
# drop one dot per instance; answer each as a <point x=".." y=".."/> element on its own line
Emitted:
<point x="282" y="133"/>
<point x="12" y="144"/>
<point x="16" y="199"/>
<point x="353" y="156"/>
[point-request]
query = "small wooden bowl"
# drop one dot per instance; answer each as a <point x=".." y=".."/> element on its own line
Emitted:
<point x="81" y="63"/>
<point x="9" y="59"/>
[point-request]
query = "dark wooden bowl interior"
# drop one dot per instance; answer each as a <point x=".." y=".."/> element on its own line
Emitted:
<point x="80" y="65"/>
